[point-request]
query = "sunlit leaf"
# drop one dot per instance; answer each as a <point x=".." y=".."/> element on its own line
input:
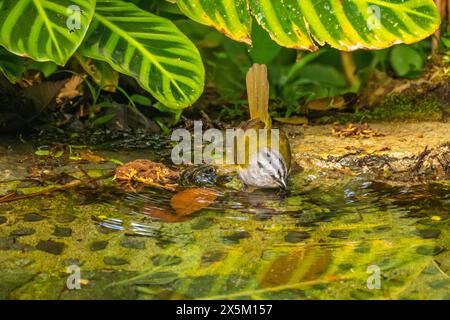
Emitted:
<point x="308" y="24"/>
<point x="101" y="73"/>
<point x="228" y="16"/>
<point x="148" y="48"/>
<point x="44" y="30"/>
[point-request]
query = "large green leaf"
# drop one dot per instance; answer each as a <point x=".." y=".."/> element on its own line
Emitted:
<point x="11" y="65"/>
<point x="228" y="16"/>
<point x="307" y="24"/>
<point x="44" y="30"/>
<point x="149" y="48"/>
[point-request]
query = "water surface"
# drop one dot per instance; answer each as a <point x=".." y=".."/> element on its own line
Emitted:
<point x="326" y="239"/>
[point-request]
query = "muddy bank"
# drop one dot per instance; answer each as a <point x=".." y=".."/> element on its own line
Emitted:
<point x="395" y="152"/>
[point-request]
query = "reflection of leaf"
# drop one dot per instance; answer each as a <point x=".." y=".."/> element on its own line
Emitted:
<point x="192" y="200"/>
<point x="297" y="266"/>
<point x="158" y="278"/>
<point x="162" y="214"/>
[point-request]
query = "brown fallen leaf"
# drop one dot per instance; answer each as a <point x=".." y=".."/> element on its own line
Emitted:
<point x="358" y="131"/>
<point x="70" y="90"/>
<point x="148" y="173"/>
<point x="101" y="73"/>
<point x="90" y="156"/>
<point x="192" y="200"/>
<point x="293" y="120"/>
<point x="162" y="214"/>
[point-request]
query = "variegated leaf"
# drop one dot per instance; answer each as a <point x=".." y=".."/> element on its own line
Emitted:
<point x="148" y="48"/>
<point x="306" y="24"/>
<point x="228" y="16"/>
<point x="44" y="30"/>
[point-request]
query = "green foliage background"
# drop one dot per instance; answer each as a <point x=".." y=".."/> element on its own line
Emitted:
<point x="142" y="39"/>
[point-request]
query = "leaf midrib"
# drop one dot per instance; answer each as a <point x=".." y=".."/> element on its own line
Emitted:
<point x="48" y="24"/>
<point x="141" y="48"/>
<point x="397" y="6"/>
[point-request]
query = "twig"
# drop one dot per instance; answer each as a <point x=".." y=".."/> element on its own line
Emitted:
<point x="71" y="185"/>
<point x="90" y="179"/>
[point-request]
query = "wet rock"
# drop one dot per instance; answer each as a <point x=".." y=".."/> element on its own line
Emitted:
<point x="2" y="220"/>
<point x="65" y="218"/>
<point x="50" y="246"/>
<point x="235" y="237"/>
<point x="429" y="250"/>
<point x="115" y="261"/>
<point x="203" y="175"/>
<point x="62" y="232"/>
<point x="24" y="262"/>
<point x="98" y="245"/>
<point x="133" y="244"/>
<point x="296" y="236"/>
<point x="32" y="217"/>
<point x="18" y="246"/>
<point x="22" y="232"/>
<point x="166" y="260"/>
<point x="10" y="243"/>
<point x="6" y="243"/>
<point x="213" y="256"/>
<point x="428" y="233"/>
<point x="5" y="207"/>
<point x="405" y="154"/>
<point x="339" y="234"/>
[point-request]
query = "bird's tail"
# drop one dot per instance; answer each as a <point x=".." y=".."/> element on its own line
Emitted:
<point x="258" y="94"/>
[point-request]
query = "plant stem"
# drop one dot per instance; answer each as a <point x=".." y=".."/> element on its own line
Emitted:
<point x="348" y="63"/>
<point x="442" y="6"/>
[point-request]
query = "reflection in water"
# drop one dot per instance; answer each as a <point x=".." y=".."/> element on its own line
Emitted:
<point x="317" y="241"/>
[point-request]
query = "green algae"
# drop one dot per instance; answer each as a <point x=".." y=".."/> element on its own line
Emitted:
<point x="298" y="251"/>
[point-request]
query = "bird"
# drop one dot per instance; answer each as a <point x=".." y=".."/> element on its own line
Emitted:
<point x="267" y="164"/>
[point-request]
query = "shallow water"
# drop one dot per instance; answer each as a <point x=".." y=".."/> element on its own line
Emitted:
<point x="326" y="239"/>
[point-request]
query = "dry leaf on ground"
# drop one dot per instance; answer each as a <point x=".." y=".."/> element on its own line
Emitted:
<point x="148" y="173"/>
<point x="70" y="90"/>
<point x="192" y="200"/>
<point x="358" y="131"/>
<point x="91" y="156"/>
